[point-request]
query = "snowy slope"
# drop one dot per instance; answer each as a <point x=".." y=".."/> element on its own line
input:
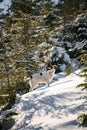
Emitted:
<point x="53" y="108"/>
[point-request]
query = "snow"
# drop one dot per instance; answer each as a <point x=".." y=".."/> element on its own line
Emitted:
<point x="43" y="44"/>
<point x="55" y="1"/>
<point x="52" y="108"/>
<point x="4" y="5"/>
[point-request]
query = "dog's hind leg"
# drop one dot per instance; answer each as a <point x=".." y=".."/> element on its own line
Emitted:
<point x="47" y="83"/>
<point x="31" y="89"/>
<point x="31" y="86"/>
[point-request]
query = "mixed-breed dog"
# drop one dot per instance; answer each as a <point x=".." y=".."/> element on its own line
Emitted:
<point x="45" y="77"/>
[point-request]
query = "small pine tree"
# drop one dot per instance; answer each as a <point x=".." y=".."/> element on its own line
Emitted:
<point x="82" y="119"/>
<point x="83" y="58"/>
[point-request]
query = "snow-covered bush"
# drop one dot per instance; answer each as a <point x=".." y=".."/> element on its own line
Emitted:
<point x="59" y="57"/>
<point x="54" y="55"/>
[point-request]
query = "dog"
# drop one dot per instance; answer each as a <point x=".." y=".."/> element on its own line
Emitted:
<point x="45" y="77"/>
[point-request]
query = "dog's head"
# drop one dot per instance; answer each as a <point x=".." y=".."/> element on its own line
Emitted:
<point x="49" y="67"/>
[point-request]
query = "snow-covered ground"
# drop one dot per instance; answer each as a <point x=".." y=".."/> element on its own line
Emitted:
<point x="52" y="108"/>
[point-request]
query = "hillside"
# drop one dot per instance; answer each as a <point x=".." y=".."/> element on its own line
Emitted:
<point x="33" y="35"/>
<point x="53" y="108"/>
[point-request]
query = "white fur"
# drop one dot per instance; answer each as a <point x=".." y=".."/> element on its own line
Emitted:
<point x="36" y="79"/>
